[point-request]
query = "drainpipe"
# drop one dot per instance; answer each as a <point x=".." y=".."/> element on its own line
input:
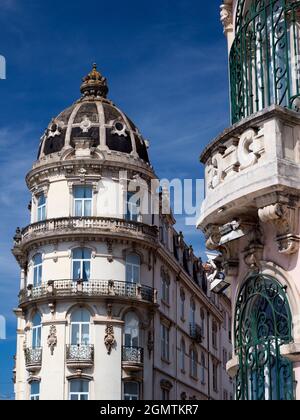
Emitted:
<point x="208" y="349"/>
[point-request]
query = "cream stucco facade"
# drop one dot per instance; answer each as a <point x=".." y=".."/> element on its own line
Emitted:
<point x="113" y="303"/>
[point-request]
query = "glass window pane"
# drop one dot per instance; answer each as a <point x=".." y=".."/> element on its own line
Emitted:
<point x="75" y="334"/>
<point x="88" y="208"/>
<point x="87" y="254"/>
<point x="81" y="315"/>
<point x="78" y="208"/>
<point x="77" y="270"/>
<point x="74" y="397"/>
<point x="86" y="270"/>
<point x="85" y="339"/>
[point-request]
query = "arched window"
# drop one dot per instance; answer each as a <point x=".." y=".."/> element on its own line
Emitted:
<point x="34" y="391"/>
<point x="202" y="368"/>
<point x="132" y="330"/>
<point x="133" y="268"/>
<point x="37" y="270"/>
<point x="182" y="356"/>
<point x="41" y="208"/>
<point x="79" y="390"/>
<point x="194" y="363"/>
<point x="83" y="200"/>
<point x="81" y="264"/>
<point x="80" y="327"/>
<point x="262" y="325"/>
<point x="36" y="331"/>
<point x="131" y="391"/>
<point x="264" y="64"/>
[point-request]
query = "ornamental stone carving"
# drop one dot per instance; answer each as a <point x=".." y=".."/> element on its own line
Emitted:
<point x="226" y="17"/>
<point x="109" y="339"/>
<point x="250" y="149"/>
<point x="52" y="339"/>
<point x="285" y="218"/>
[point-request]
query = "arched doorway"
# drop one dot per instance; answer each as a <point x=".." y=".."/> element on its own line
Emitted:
<point x="262" y="325"/>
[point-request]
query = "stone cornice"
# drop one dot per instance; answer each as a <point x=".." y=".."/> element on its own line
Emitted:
<point x="240" y="127"/>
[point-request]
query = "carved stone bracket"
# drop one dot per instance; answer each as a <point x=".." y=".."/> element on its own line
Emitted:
<point x="52" y="339"/>
<point x="285" y="218"/>
<point x="253" y="254"/>
<point x="109" y="339"/>
<point x="226" y="17"/>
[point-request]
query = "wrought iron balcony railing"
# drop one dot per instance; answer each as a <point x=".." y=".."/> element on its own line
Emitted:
<point x="88" y="289"/>
<point x="80" y="355"/>
<point x="33" y="358"/>
<point x="64" y="226"/>
<point x="196" y="333"/>
<point x="133" y="355"/>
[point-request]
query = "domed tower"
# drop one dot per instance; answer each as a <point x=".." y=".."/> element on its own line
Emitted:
<point x="87" y="294"/>
<point x="251" y="210"/>
<point x="90" y="322"/>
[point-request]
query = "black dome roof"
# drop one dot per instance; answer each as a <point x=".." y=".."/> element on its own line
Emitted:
<point x="94" y="116"/>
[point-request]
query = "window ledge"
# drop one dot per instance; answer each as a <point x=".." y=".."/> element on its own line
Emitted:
<point x="165" y="361"/>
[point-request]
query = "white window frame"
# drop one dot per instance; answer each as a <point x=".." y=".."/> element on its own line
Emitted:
<point x="83" y="201"/>
<point x="132" y="267"/>
<point x="41" y="209"/>
<point x="80" y="324"/>
<point x="131" y="396"/>
<point x="79" y="394"/>
<point x="36" y="338"/>
<point x="132" y="209"/>
<point x="37" y="271"/>
<point x="82" y="261"/>
<point x="34" y="397"/>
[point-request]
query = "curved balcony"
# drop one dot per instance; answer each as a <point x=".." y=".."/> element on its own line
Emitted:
<point x="132" y="358"/>
<point x="61" y="289"/>
<point x="33" y="359"/>
<point x="64" y="227"/>
<point x="80" y="356"/>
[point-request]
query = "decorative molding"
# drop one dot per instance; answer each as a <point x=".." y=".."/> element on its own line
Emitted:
<point x="253" y="253"/>
<point x="52" y="339"/>
<point x="285" y="218"/>
<point x="150" y="344"/>
<point x="109" y="339"/>
<point x="226" y="17"/>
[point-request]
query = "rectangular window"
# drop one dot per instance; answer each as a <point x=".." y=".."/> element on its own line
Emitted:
<point x="83" y="200"/>
<point x="165" y="290"/>
<point x="131" y="391"/>
<point x="35" y="391"/>
<point x="229" y="329"/>
<point x="132" y="208"/>
<point x="36" y="337"/>
<point x="79" y="390"/>
<point x="225" y="358"/>
<point x="41" y="209"/>
<point x="165" y="343"/>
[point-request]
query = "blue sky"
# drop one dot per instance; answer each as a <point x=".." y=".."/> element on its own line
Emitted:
<point x="166" y="65"/>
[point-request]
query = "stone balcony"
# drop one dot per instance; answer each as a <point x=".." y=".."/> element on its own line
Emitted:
<point x="63" y="289"/>
<point x="82" y="227"/>
<point x="132" y="358"/>
<point x="80" y="356"/>
<point x="33" y="359"/>
<point x="247" y="169"/>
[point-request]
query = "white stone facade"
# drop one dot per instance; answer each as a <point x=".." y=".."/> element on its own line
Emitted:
<point x="113" y="305"/>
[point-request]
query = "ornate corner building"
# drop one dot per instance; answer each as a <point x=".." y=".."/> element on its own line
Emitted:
<point x="113" y="303"/>
<point x="251" y="211"/>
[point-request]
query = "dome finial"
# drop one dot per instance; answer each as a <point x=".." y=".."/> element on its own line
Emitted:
<point x="94" y="84"/>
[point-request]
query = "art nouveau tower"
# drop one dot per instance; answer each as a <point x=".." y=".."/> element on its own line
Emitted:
<point x="251" y="211"/>
<point x="113" y="302"/>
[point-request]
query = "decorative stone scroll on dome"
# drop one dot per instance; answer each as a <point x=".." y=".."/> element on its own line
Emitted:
<point x="284" y="215"/>
<point x="94" y="84"/>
